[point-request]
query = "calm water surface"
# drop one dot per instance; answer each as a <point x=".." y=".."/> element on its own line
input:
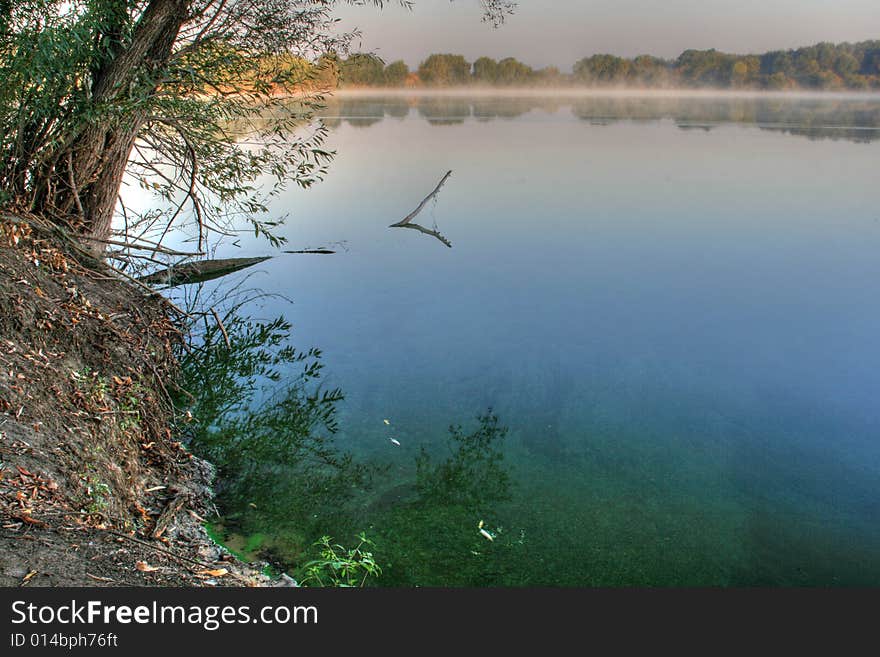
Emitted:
<point x="673" y="304"/>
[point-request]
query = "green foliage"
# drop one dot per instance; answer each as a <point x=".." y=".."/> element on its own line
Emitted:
<point x="396" y="74"/>
<point x="97" y="493"/>
<point x="44" y="51"/>
<point x="473" y="476"/>
<point x="485" y="70"/>
<point x="512" y="72"/>
<point x="363" y="69"/>
<point x="274" y="452"/>
<point x="192" y="98"/>
<point x="704" y="68"/>
<point x="602" y="69"/>
<point x="226" y="378"/>
<point x="443" y="70"/>
<point x="201" y="114"/>
<point x="340" y="566"/>
<point x="649" y="71"/>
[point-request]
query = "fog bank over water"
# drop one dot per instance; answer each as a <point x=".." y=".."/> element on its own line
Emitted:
<point x="851" y="117"/>
<point x="621" y="92"/>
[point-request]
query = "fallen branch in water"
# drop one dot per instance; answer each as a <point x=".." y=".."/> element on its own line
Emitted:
<point x="426" y="231"/>
<point x="200" y="271"/>
<point x="412" y="215"/>
<point x="407" y="222"/>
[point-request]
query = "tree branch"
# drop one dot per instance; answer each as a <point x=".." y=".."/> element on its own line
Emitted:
<point x="407" y="221"/>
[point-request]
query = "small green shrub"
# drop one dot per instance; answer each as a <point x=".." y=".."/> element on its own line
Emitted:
<point x="340" y="566"/>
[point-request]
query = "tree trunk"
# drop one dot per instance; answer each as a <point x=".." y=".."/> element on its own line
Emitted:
<point x="106" y="155"/>
<point x="86" y="175"/>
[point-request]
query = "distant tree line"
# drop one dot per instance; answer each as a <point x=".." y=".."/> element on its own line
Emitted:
<point x="822" y="66"/>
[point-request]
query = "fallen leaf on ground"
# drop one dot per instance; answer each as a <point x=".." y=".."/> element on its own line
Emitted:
<point x="216" y="572"/>
<point x="144" y="567"/>
<point x="25" y="517"/>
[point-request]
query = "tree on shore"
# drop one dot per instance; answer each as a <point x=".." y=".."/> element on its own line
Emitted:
<point x="444" y="70"/>
<point x="363" y="69"/>
<point x="175" y="94"/>
<point x="396" y="74"/>
<point x="485" y="71"/>
<point x="512" y="72"/>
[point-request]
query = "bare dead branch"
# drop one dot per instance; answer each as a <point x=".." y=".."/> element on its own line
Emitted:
<point x="412" y="215"/>
<point x="407" y="222"/>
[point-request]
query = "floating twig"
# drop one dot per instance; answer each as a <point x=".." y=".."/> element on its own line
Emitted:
<point x="407" y="221"/>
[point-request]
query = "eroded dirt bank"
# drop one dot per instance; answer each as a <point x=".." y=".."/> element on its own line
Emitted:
<point x="94" y="490"/>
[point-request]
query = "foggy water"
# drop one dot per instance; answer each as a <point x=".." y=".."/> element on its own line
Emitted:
<point x="673" y="303"/>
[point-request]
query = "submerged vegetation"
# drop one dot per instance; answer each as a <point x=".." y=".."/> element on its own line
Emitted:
<point x="446" y="532"/>
<point x="256" y="409"/>
<point x="473" y="476"/>
<point x="273" y="449"/>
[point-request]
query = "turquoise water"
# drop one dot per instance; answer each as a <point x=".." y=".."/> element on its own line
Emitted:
<point x="673" y="304"/>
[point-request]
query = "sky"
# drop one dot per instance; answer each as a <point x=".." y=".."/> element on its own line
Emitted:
<point x="559" y="32"/>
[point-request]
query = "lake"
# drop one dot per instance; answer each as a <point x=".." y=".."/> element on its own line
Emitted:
<point x="672" y="302"/>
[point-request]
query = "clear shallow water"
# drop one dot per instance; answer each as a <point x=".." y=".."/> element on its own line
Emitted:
<point x="673" y="304"/>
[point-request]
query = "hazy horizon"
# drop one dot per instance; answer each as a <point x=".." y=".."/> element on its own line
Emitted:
<point x="562" y="32"/>
<point x="619" y="91"/>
